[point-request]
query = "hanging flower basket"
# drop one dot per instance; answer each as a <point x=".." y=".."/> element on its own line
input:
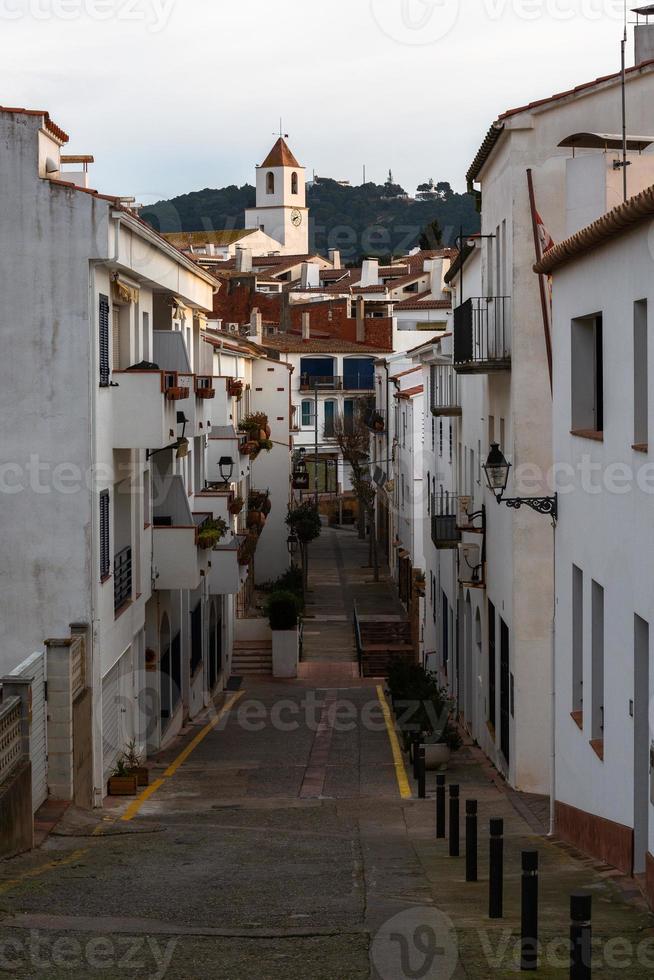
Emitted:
<point x="177" y="393"/>
<point x="236" y="506"/>
<point x="234" y="388"/>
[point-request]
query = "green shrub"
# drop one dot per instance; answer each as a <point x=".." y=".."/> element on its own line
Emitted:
<point x="282" y="610"/>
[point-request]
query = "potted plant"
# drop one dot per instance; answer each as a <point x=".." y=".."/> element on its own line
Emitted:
<point x="211" y="532"/>
<point x="256" y="519"/>
<point x="282" y="609"/>
<point x="253" y="424"/>
<point x="121" y="781"/>
<point x="248" y="447"/>
<point x="235" y="388"/>
<point x="236" y="506"/>
<point x="266" y="444"/>
<point x="427" y="707"/>
<point x="134" y="765"/>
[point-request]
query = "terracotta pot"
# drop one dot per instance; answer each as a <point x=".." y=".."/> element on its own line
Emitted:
<point x="268" y="432"/>
<point x="255" y="518"/>
<point x="205" y="393"/>
<point x="266" y="506"/>
<point x="122" y="785"/>
<point x="235" y="509"/>
<point x="437" y="756"/>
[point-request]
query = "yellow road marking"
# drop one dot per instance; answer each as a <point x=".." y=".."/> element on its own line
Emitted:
<point x="41" y="870"/>
<point x="400" y="771"/>
<point x="133" y="809"/>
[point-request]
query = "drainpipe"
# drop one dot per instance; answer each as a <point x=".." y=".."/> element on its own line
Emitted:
<point x="553" y="721"/>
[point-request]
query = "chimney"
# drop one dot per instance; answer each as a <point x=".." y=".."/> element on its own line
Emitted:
<point x="306" y="326"/>
<point x="243" y="259"/>
<point x="335" y="257"/>
<point x="644" y="35"/>
<point x="370" y="272"/>
<point x="256" y="325"/>
<point x="433" y="268"/>
<point x="310" y="275"/>
<point x="361" y="322"/>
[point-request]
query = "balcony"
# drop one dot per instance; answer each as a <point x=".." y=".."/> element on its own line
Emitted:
<point x="122" y="579"/>
<point x="326" y="383"/>
<point x="204" y="388"/>
<point x="144" y="408"/>
<point x="226" y="575"/>
<point x="444" y="385"/>
<point x="225" y="442"/>
<point x="445" y="530"/>
<point x="176" y="557"/>
<point x="482" y="336"/>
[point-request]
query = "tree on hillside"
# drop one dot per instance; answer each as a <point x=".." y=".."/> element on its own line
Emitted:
<point x="431" y="236"/>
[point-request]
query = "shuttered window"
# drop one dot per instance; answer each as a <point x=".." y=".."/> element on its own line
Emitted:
<point x="104" y="341"/>
<point x="115" y="338"/>
<point x="105" y="560"/>
<point x="196" y="637"/>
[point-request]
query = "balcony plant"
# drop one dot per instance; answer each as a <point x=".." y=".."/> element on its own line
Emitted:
<point x="235" y="388"/>
<point x="423" y="708"/>
<point x="282" y="611"/>
<point x="254" y="424"/>
<point x="236" y="506"/>
<point x="211" y="532"/>
<point x="121" y="782"/>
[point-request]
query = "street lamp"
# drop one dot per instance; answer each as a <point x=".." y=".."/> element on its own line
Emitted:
<point x="292" y="544"/>
<point x="497" y="469"/>
<point x="226" y="466"/>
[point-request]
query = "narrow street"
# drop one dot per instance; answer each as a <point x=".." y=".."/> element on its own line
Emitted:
<point x="274" y="842"/>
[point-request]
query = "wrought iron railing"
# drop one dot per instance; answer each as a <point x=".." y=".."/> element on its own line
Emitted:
<point x="482" y="334"/>
<point x="326" y="383"/>
<point x="444" y="394"/>
<point x="445" y="532"/>
<point x="122" y="578"/>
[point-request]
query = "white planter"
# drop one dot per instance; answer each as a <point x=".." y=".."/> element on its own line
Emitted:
<point x="437" y="756"/>
<point x="285" y="652"/>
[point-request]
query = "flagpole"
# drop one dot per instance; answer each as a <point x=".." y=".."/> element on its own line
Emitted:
<point x="541" y="281"/>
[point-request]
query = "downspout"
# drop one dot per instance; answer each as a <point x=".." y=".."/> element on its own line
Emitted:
<point x="553" y="721"/>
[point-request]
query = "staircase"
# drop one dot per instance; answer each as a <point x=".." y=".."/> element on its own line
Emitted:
<point x="251" y="657"/>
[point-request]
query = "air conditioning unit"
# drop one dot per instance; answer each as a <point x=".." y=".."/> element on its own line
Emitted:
<point x="470" y="567"/>
<point x="463" y="511"/>
<point x="232" y="327"/>
<point x="271" y="331"/>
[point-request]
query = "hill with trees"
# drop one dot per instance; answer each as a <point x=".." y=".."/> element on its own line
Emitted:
<point x="365" y="220"/>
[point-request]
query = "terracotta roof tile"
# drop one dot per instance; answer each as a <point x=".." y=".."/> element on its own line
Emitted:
<point x="281" y="156"/>
<point x="48" y="124"/>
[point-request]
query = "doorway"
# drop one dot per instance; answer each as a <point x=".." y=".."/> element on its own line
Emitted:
<point x="641" y="744"/>
<point x="505" y="693"/>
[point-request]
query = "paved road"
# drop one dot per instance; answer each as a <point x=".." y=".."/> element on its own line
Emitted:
<point x="279" y="848"/>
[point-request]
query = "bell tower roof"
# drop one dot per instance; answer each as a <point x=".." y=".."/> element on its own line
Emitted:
<point x="281" y="156"/>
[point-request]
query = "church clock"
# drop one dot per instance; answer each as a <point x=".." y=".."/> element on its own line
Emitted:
<point x="296" y="217"/>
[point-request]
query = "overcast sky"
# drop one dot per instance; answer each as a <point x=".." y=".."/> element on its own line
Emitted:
<point x="176" y="95"/>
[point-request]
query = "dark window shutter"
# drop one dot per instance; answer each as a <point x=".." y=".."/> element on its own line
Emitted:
<point x="104" y="341"/>
<point x="105" y="560"/>
<point x="196" y="637"/>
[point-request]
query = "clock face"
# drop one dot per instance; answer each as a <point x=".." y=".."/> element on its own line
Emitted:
<point x="296" y="217"/>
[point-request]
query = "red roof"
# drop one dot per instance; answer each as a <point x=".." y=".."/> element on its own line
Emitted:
<point x="281" y="156"/>
<point x="410" y="392"/>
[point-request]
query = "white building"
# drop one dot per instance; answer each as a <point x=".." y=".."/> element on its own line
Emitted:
<point x="109" y="400"/>
<point x="281" y="206"/>
<point x="603" y="413"/>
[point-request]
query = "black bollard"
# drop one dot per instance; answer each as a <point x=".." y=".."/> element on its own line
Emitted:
<point x="422" y="775"/>
<point x="454" y="822"/>
<point x="496" y="878"/>
<point x="415" y="742"/>
<point x="529" y="931"/>
<point x="581" y="935"/>
<point x="471" y="840"/>
<point x="440" y="807"/>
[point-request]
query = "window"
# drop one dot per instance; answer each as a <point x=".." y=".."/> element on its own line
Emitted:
<point x="577" y="639"/>
<point x="428" y="496"/>
<point x="104" y="341"/>
<point x="433" y="435"/>
<point x="294" y="183"/>
<point x="587" y="375"/>
<point x="451" y="442"/>
<point x="196" y="637"/>
<point x="145" y="337"/>
<point x="597" y="646"/>
<point x="270" y="183"/>
<point x="491" y="430"/>
<point x="307" y="413"/>
<point x="641" y="406"/>
<point x="115" y="338"/>
<point x="330" y="411"/>
<point x="492" y="688"/>
<point x="105" y="552"/>
<point x="440" y="437"/>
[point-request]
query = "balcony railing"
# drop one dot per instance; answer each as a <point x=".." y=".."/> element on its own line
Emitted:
<point x="482" y="335"/>
<point x="445" y="532"/>
<point x="326" y="383"/>
<point x="359" y="382"/>
<point x="122" y="578"/>
<point x="445" y="398"/>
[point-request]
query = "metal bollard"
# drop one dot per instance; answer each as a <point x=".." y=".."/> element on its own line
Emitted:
<point x="415" y="742"/>
<point x="471" y="840"/>
<point x="529" y="930"/>
<point x="581" y="936"/>
<point x="422" y="775"/>
<point x="454" y="822"/>
<point x="496" y="877"/>
<point x="440" y="807"/>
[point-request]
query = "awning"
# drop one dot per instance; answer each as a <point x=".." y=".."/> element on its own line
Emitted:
<point x="122" y="293"/>
<point x="606" y="141"/>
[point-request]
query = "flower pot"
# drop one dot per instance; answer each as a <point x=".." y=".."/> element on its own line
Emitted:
<point x="142" y="774"/>
<point x="263" y="435"/>
<point x="235" y="509"/>
<point x="268" y="431"/>
<point x="205" y="393"/>
<point x="122" y="785"/>
<point x="255" y="519"/>
<point x="437" y="756"/>
<point x="285" y="652"/>
<point x="177" y="393"/>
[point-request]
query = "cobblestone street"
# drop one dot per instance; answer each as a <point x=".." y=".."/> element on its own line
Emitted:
<point x="274" y="843"/>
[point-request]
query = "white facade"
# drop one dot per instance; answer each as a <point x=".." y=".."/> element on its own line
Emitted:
<point x="604" y="540"/>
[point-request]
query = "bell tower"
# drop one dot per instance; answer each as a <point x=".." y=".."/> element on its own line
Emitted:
<point x="281" y="209"/>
